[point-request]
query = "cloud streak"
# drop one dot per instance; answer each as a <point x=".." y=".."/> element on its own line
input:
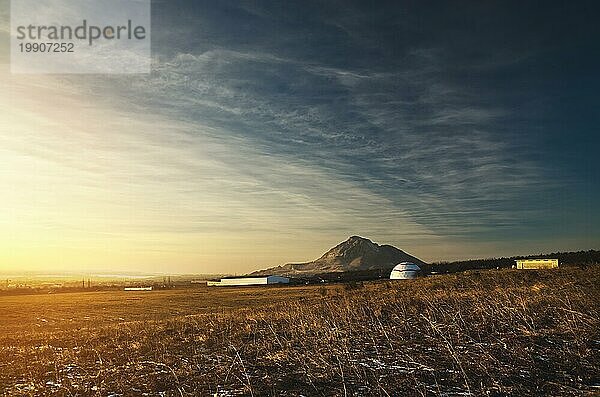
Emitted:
<point x="271" y="130"/>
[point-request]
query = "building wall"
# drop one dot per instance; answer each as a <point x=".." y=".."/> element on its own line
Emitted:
<point x="244" y="281"/>
<point x="277" y="279"/>
<point x="537" y="263"/>
<point x="403" y="274"/>
<point x="248" y="281"/>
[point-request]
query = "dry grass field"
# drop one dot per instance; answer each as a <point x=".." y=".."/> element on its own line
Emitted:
<point x="494" y="333"/>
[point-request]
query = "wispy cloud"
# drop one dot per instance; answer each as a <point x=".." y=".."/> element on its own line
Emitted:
<point x="424" y="152"/>
<point x="242" y="137"/>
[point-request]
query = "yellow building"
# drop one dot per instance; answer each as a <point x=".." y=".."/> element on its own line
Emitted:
<point x="537" y="263"/>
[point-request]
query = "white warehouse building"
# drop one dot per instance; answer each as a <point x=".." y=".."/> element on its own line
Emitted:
<point x="240" y="281"/>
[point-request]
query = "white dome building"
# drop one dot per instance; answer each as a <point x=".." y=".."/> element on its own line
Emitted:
<point x="405" y="271"/>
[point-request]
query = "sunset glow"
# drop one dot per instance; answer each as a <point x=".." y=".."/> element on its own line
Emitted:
<point x="235" y="155"/>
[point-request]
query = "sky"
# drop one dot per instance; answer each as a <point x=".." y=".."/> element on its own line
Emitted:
<point x="269" y="131"/>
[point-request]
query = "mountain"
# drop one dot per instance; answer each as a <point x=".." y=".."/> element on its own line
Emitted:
<point x="355" y="254"/>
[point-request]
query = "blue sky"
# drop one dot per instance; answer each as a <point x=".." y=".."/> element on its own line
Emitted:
<point x="269" y="131"/>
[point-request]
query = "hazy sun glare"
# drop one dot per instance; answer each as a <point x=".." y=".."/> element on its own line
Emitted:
<point x="89" y="187"/>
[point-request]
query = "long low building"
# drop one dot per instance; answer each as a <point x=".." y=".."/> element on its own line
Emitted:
<point x="537" y="263"/>
<point x="233" y="281"/>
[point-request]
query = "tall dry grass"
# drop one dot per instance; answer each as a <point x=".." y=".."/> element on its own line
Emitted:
<point x="479" y="333"/>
